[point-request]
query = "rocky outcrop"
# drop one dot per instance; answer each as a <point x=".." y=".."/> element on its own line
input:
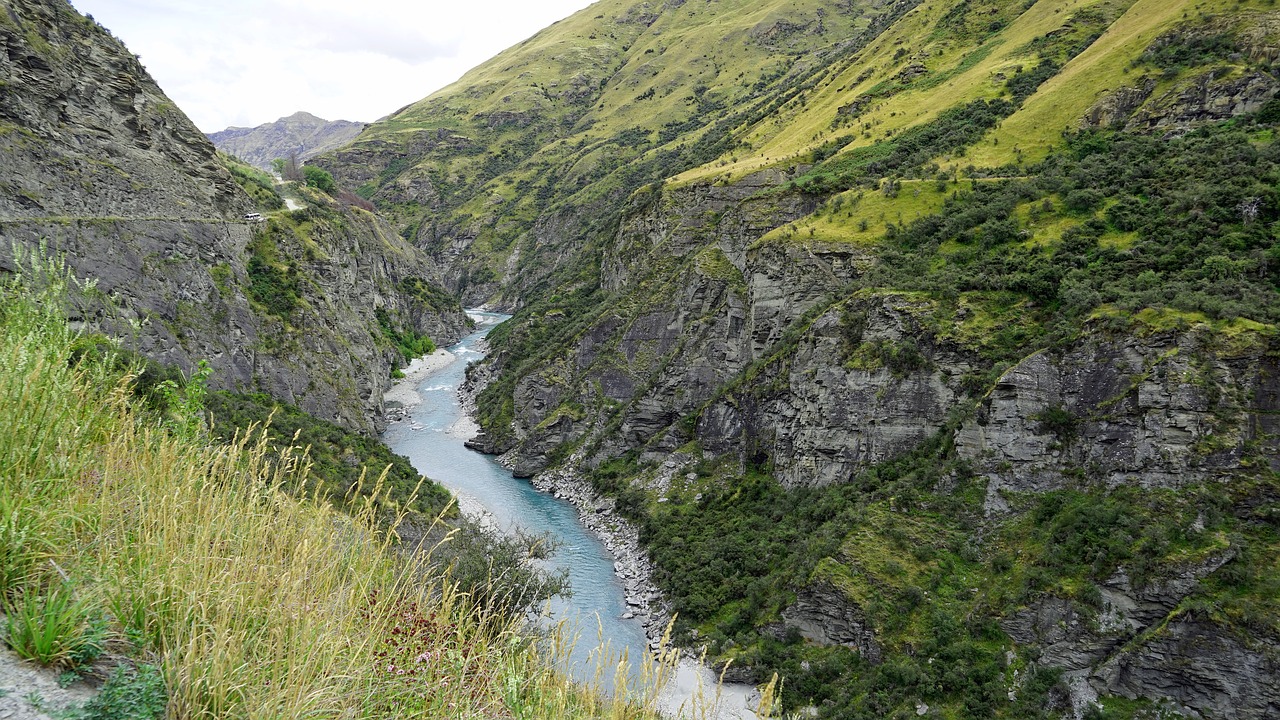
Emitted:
<point x="85" y="131"/>
<point x="838" y="410"/>
<point x="1166" y="409"/>
<point x="1208" y="97"/>
<point x="301" y="134"/>
<point x="1219" y="67"/>
<point x="1199" y="667"/>
<point x="696" y="329"/>
<point x="824" y="615"/>
<point x="1139" y="644"/>
<point x="102" y="169"/>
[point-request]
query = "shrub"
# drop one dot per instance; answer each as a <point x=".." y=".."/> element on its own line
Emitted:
<point x="55" y="628"/>
<point x="1058" y="421"/>
<point x="493" y="569"/>
<point x="1082" y="200"/>
<point x="319" y="179"/>
<point x="410" y="343"/>
<point x="274" y="287"/>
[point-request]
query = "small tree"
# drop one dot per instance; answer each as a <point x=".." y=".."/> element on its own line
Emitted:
<point x="319" y="179"/>
<point x="292" y="169"/>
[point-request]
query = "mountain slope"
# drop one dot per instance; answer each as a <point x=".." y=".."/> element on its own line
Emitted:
<point x="581" y="115"/>
<point x="929" y="345"/>
<point x="301" y="134"/>
<point x="101" y="167"/>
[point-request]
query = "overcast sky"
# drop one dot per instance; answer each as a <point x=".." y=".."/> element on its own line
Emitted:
<point x="248" y="62"/>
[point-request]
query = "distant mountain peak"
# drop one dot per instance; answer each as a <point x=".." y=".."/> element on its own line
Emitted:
<point x="301" y="133"/>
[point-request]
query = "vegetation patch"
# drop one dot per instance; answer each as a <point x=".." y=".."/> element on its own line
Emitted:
<point x="346" y="467"/>
<point x="410" y="343"/>
<point x="273" y="283"/>
<point x="259" y="185"/>
<point x="712" y="263"/>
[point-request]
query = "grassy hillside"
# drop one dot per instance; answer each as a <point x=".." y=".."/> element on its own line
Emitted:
<point x="585" y="112"/>
<point x="193" y="565"/>
<point x="577" y="117"/>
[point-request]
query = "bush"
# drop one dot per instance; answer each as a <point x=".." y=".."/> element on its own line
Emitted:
<point x="1058" y="421"/>
<point x="494" y="569"/>
<point x="319" y="179"/>
<point x="1082" y="200"/>
<point x="410" y="343"/>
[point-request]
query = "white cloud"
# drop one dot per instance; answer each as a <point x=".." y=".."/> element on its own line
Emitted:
<point x="247" y="62"/>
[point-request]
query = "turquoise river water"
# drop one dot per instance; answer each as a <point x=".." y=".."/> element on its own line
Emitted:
<point x="432" y="438"/>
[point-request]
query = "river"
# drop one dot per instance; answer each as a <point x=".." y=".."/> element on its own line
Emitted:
<point x="432" y="435"/>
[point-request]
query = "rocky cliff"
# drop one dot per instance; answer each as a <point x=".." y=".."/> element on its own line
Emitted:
<point x="100" y="167"/>
<point x="301" y="134"/>
<point x="775" y="355"/>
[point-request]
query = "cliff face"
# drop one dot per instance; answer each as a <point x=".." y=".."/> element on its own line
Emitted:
<point x="86" y="131"/>
<point x="101" y="167"/>
<point x="301" y="134"/>
<point x="730" y="335"/>
<point x="724" y="345"/>
<point x="1156" y="409"/>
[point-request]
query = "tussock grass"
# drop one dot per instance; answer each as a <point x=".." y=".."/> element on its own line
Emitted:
<point x="198" y="557"/>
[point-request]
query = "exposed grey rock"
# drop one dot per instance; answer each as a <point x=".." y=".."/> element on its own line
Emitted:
<point x="1165" y="410"/>
<point x="1207" y="97"/>
<point x="102" y="168"/>
<point x="1200" y="667"/>
<point x="1140" y="645"/>
<point x="1219" y="89"/>
<point x="822" y="614"/>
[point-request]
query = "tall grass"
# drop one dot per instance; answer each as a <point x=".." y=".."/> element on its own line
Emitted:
<point x="253" y="602"/>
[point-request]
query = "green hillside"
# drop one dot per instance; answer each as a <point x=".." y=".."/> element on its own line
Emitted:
<point x="623" y="94"/>
<point x="585" y="112"/>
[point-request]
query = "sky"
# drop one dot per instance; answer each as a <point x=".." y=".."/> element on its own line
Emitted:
<point x="248" y="62"/>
